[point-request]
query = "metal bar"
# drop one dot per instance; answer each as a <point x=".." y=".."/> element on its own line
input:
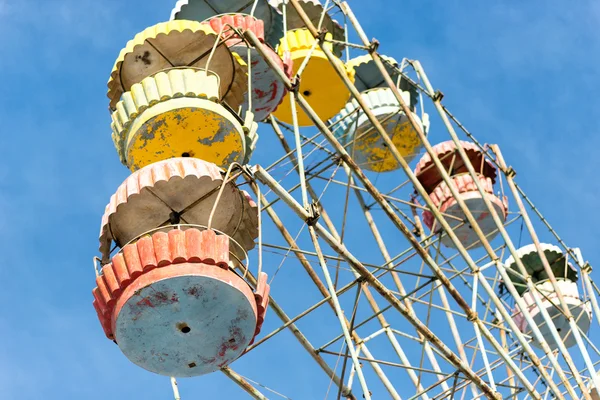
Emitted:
<point x="304" y="341"/>
<point x="399" y="158"/>
<point x="244" y="384"/>
<point x="368" y="295"/>
<point x="340" y="315"/>
<point x="520" y="303"/>
<point x="565" y="308"/>
<point x="265" y="178"/>
<point x="373" y="191"/>
<point x="452" y="188"/>
<point x="315" y="278"/>
<point x="175" y="388"/>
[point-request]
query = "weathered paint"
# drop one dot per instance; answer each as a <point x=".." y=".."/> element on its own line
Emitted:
<point x="267" y="90"/>
<point x="314" y="11"/>
<point x="200" y="10"/>
<point x="147" y="197"/>
<point x="173" y="306"/>
<point x="175" y="44"/>
<point x="153" y="90"/>
<point x="158" y="250"/>
<point x="370" y="151"/>
<point x="429" y="176"/>
<point x="320" y="84"/>
<point x="442" y="198"/>
<point x="476" y="205"/>
<point x="223" y="24"/>
<point x="533" y="264"/>
<point x="185" y="320"/>
<point x="186" y="126"/>
<point x="581" y="312"/>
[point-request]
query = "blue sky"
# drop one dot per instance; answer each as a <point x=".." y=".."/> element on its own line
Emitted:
<point x="523" y="75"/>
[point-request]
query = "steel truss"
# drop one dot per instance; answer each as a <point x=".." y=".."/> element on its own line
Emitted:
<point x="430" y="322"/>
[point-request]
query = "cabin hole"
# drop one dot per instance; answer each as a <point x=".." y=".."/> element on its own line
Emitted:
<point x="558" y="329"/>
<point x="232" y="340"/>
<point x="186" y="154"/>
<point x="183" y="327"/>
<point x="306" y="93"/>
<point x="192" y="365"/>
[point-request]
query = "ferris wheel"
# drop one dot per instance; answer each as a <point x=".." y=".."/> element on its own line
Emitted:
<point x="396" y="266"/>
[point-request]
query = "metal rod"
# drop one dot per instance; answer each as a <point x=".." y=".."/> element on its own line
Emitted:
<point x="304" y="341"/>
<point x="377" y="196"/>
<point x="340" y="314"/>
<point x="388" y="141"/>
<point x="565" y="307"/>
<point x="368" y="295"/>
<point x="452" y="189"/>
<point x="244" y="384"/>
<point x="315" y="278"/>
<point x="175" y="388"/>
<point x="344" y="155"/>
<point x="520" y="303"/>
<point x="266" y="179"/>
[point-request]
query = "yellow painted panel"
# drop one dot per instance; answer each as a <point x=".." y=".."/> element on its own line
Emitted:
<point x="185" y="127"/>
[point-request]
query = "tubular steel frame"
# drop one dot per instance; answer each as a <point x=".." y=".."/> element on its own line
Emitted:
<point x="495" y="360"/>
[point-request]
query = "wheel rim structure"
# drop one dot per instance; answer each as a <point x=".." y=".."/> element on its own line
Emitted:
<point x="406" y="265"/>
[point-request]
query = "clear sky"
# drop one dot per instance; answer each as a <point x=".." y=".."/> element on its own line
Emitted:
<point x="520" y="74"/>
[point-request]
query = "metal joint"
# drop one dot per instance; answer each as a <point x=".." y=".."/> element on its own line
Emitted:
<point x="438" y="96"/>
<point x="374" y="45"/>
<point x="587" y="268"/>
<point x="510" y="172"/>
<point x="321" y="35"/>
<point x="314" y="214"/>
<point x="295" y="84"/>
<point x="472" y="316"/>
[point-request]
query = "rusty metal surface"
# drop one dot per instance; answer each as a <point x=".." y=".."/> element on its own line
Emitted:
<point x="150" y="252"/>
<point x="154" y="120"/>
<point x="185" y="127"/>
<point x="147" y="198"/>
